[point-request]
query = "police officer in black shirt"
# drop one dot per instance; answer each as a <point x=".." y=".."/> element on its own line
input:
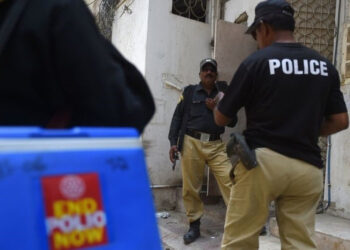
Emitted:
<point x="194" y="133"/>
<point x="57" y="70"/>
<point x="292" y="96"/>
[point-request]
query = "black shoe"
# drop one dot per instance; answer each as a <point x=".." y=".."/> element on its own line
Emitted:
<point x="263" y="231"/>
<point x="193" y="233"/>
<point x="320" y="209"/>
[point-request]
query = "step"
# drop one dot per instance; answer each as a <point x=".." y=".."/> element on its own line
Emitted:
<point x="332" y="233"/>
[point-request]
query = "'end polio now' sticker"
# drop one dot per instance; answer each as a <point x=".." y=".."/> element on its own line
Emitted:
<point x="75" y="217"/>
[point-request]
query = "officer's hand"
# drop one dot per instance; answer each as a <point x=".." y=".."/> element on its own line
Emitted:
<point x="172" y="152"/>
<point x="211" y="103"/>
<point x="219" y="96"/>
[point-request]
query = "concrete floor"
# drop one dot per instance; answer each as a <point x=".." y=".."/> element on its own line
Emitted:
<point x="173" y="228"/>
<point x="332" y="233"/>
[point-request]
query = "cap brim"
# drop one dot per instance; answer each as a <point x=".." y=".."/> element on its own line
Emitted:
<point x="252" y="27"/>
<point x="211" y="63"/>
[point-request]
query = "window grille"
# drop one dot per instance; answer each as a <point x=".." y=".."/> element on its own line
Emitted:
<point x="193" y="9"/>
<point x="315" y="24"/>
<point x="346" y="57"/>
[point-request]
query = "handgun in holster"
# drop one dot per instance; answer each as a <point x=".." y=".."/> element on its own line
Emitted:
<point x="237" y="146"/>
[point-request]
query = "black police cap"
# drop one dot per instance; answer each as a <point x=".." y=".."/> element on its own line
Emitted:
<point x="210" y="61"/>
<point x="281" y="9"/>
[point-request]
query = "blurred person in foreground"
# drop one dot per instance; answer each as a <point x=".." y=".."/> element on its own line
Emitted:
<point x="292" y="96"/>
<point x="56" y="70"/>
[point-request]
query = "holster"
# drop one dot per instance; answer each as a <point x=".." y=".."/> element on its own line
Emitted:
<point x="237" y="146"/>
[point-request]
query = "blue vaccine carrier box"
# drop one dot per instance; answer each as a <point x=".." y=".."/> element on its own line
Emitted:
<point x="75" y="189"/>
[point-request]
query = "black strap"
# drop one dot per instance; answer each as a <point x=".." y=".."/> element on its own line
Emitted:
<point x="10" y="22"/>
<point x="197" y="135"/>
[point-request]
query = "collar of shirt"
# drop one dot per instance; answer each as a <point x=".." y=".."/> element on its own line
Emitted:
<point x="200" y="87"/>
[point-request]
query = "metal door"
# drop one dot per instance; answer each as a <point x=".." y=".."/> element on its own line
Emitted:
<point x="231" y="47"/>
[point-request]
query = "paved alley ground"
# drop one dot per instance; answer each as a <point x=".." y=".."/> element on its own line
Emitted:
<point x="212" y="227"/>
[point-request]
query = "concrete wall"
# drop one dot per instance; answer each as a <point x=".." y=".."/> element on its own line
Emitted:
<point x="233" y="9"/>
<point x="340" y="154"/>
<point x="130" y="31"/>
<point x="167" y="50"/>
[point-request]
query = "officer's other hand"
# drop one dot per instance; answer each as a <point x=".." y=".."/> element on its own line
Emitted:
<point x="211" y="103"/>
<point x="173" y="150"/>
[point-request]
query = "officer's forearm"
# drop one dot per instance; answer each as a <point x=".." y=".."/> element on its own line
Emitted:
<point x="175" y="127"/>
<point x="173" y="141"/>
<point x="220" y="119"/>
<point x="334" y="124"/>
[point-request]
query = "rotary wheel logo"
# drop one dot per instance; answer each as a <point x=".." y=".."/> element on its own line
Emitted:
<point x="72" y="187"/>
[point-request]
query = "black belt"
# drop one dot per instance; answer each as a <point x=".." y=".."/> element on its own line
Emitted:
<point x="198" y="135"/>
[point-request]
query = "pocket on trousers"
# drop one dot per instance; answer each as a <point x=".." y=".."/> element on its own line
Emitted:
<point x="239" y="171"/>
<point x="189" y="150"/>
<point x="232" y="173"/>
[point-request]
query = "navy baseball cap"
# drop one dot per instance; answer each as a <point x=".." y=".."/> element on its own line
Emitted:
<point x="270" y="10"/>
<point x="210" y="61"/>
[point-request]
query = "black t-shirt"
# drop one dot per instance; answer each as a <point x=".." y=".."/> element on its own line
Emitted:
<point x="287" y="90"/>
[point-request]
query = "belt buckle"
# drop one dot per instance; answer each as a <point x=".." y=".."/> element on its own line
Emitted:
<point x="205" y="137"/>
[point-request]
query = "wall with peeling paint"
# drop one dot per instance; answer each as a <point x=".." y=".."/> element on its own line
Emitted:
<point x="340" y="143"/>
<point x="167" y="49"/>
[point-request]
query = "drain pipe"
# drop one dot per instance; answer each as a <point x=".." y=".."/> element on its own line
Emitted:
<point x="329" y="147"/>
<point x="214" y="16"/>
<point x="329" y="139"/>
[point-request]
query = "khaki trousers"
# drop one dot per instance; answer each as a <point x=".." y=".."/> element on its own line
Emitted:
<point x="295" y="186"/>
<point x="195" y="155"/>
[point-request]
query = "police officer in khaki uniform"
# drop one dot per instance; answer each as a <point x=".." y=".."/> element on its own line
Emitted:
<point x="292" y="96"/>
<point x="194" y="133"/>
